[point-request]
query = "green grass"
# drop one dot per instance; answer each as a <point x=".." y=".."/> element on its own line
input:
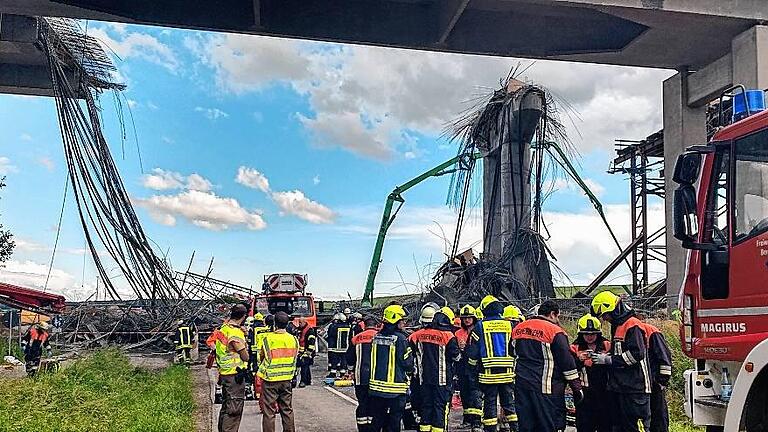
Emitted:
<point x="102" y="392"/>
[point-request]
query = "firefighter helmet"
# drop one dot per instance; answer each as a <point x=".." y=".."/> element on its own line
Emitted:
<point x="248" y="321"/>
<point x="513" y="313"/>
<point x="486" y="301"/>
<point x="468" y="311"/>
<point x="393" y="314"/>
<point x="258" y="316"/>
<point x="603" y="303"/>
<point x="347" y="311"/>
<point x="427" y="314"/>
<point x="447" y="311"/>
<point x="588" y="324"/>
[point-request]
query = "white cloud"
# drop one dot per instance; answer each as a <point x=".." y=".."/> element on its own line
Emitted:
<point x="168" y="180"/>
<point x="258" y="116"/>
<point x="409" y="155"/>
<point x="26" y="137"/>
<point x="568" y="185"/>
<point x="203" y="209"/>
<point x="129" y="44"/>
<point x="167" y="140"/>
<point x="316" y="180"/>
<point x="252" y="178"/>
<point x="6" y="167"/>
<point x="212" y="113"/>
<point x="295" y="203"/>
<point x="151" y="105"/>
<point x="47" y="163"/>
<point x="289" y="202"/>
<point x="365" y="98"/>
<point x="24" y="245"/>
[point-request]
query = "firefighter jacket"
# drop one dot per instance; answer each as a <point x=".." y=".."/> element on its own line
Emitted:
<point x="307" y="341"/>
<point x="629" y="372"/>
<point x="594" y="377"/>
<point x="278" y="354"/>
<point x="338" y="337"/>
<point x="436" y="350"/>
<point x="491" y="352"/>
<point x="463" y="339"/>
<point x="183" y="338"/>
<point x="359" y="355"/>
<point x="659" y="355"/>
<point x="34" y="341"/>
<point x="227" y="360"/>
<point x="256" y="339"/>
<point x="544" y="359"/>
<point x="391" y="363"/>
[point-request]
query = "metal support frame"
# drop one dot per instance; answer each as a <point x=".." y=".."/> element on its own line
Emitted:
<point x="643" y="162"/>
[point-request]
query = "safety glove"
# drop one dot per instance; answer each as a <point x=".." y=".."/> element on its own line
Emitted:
<point x="601" y="358"/>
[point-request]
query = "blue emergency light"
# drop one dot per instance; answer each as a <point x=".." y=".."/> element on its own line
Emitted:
<point x="748" y="103"/>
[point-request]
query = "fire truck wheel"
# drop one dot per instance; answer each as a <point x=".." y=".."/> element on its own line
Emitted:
<point x="756" y="418"/>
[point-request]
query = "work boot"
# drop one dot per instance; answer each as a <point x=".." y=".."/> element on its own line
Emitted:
<point x="302" y="385"/>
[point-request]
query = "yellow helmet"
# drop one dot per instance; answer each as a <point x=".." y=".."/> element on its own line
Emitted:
<point x="513" y="313"/>
<point x="588" y="324"/>
<point x="603" y="303"/>
<point x="487" y="300"/>
<point x="448" y="312"/>
<point x="393" y="314"/>
<point x="258" y="316"/>
<point x="468" y="311"/>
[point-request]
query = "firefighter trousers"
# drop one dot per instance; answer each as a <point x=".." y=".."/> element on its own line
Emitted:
<point x="504" y="393"/>
<point x="471" y="399"/>
<point x="363" y="415"/>
<point x="434" y="411"/>
<point x="539" y="412"/>
<point x="387" y="412"/>
<point x="659" y="409"/>
<point x="633" y="412"/>
<point x="591" y="412"/>
<point x="337" y="363"/>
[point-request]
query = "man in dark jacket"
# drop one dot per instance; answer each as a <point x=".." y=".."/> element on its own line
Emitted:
<point x="544" y="367"/>
<point x="307" y="350"/>
<point x="628" y="377"/>
<point x="436" y="351"/>
<point x="590" y="414"/>
<point x="359" y="358"/>
<point x="660" y="362"/>
<point x="33" y="343"/>
<point x="338" y="341"/>
<point x="391" y="365"/>
<point x="469" y="390"/>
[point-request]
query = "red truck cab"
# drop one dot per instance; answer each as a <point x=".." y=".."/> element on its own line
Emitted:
<point x="286" y="292"/>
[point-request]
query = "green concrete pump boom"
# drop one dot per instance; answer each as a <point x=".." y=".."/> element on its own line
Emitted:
<point x="461" y="162"/>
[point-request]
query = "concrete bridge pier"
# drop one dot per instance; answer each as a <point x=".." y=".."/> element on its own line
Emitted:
<point x="685" y="96"/>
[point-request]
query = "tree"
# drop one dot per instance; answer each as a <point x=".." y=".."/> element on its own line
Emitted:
<point x="6" y="238"/>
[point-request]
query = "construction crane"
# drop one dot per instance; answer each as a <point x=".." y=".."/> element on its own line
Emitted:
<point x="463" y="161"/>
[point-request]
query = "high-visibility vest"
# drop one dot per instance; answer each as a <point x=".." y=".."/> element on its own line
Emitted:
<point x="185" y="337"/>
<point x="279" y="353"/>
<point x="258" y="335"/>
<point x="227" y="360"/>
<point x="496" y="360"/>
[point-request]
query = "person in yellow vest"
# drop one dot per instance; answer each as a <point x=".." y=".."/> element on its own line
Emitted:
<point x="232" y="361"/>
<point x="276" y="369"/>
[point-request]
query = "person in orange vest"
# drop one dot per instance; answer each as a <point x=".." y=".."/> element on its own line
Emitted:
<point x="232" y="360"/>
<point x="469" y="390"/>
<point x="277" y="369"/>
<point x="629" y="380"/>
<point x="307" y="351"/>
<point x="436" y="351"/>
<point x="33" y="344"/>
<point x="545" y="366"/>
<point x="590" y="414"/>
<point x="359" y="357"/>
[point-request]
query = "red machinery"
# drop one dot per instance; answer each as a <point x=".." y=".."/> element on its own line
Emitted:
<point x="721" y="216"/>
<point x="34" y="300"/>
<point x="286" y="292"/>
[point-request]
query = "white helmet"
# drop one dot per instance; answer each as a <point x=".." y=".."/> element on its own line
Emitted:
<point x="357" y="315"/>
<point x="342" y="317"/>
<point x="427" y="314"/>
<point x="347" y="311"/>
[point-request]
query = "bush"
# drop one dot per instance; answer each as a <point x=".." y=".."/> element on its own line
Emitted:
<point x="102" y="392"/>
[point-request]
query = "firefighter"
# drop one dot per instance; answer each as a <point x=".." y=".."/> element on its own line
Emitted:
<point x="590" y="414"/>
<point x="391" y="365"/>
<point x="256" y="333"/>
<point x="232" y="360"/>
<point x="183" y="342"/>
<point x="359" y="325"/>
<point x="359" y="356"/>
<point x="544" y="367"/>
<point x="491" y="353"/>
<point x="436" y="350"/>
<point x="277" y="369"/>
<point x="513" y="314"/>
<point x="660" y="362"/>
<point x="307" y="351"/>
<point x="628" y="377"/>
<point x="338" y="341"/>
<point x="414" y="403"/>
<point x="33" y="343"/>
<point x="471" y="398"/>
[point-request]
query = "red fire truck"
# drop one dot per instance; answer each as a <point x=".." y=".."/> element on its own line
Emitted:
<point x="721" y="217"/>
<point x="286" y="292"/>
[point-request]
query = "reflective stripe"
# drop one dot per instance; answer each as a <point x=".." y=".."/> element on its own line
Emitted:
<point x="473" y="411"/>
<point x="665" y="370"/>
<point x="491" y="421"/>
<point x="708" y="313"/>
<point x="628" y="358"/>
<point x="425" y="428"/>
<point x="512" y="417"/>
<point x="646" y="375"/>
<point x="571" y="375"/>
<point x="549" y="368"/>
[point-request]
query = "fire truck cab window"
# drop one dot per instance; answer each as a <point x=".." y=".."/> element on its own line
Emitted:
<point x="751" y="186"/>
<point x="714" y="271"/>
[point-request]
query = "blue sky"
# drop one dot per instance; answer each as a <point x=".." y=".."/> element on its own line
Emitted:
<point x="276" y="156"/>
